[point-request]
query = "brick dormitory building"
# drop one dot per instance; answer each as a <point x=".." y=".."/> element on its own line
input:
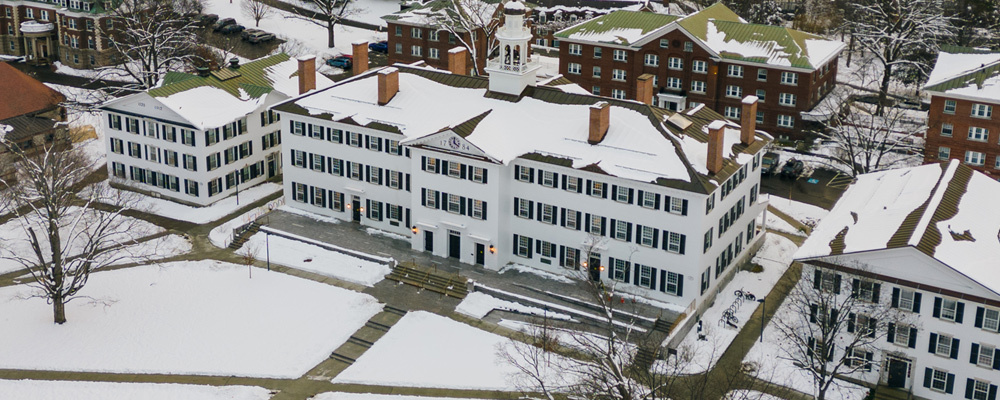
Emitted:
<point x="710" y="57"/>
<point x="965" y="88"/>
<point x="32" y="121"/>
<point x="74" y="32"/>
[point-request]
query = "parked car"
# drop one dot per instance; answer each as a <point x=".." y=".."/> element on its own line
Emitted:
<point x="793" y="168"/>
<point x="249" y="31"/>
<point x="341" y="62"/>
<point x="769" y="163"/>
<point x="260" y="37"/>
<point x="208" y="19"/>
<point x="223" y="23"/>
<point x="379" y="47"/>
<point x="234" y="28"/>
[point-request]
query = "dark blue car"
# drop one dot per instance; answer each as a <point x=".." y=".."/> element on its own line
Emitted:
<point x="379" y="47"/>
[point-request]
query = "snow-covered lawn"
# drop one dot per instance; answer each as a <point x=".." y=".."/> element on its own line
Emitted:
<point x="14" y="240"/>
<point x="805" y="213"/>
<point x="204" y="317"/>
<point x="749" y="395"/>
<point x="60" y="390"/>
<point x="211" y="213"/>
<point x="308" y="257"/>
<point x="777" y="224"/>
<point x="427" y="350"/>
<point x="372" y="396"/>
<point x="367" y="11"/>
<point x="775" y="256"/>
<point x="311" y="36"/>
<point x="478" y="304"/>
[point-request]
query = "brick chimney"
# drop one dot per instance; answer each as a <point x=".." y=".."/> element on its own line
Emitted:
<point x="359" y="50"/>
<point x="456" y="60"/>
<point x="748" y="120"/>
<point x="600" y="119"/>
<point x="388" y="85"/>
<point x="716" y="140"/>
<point x="644" y="88"/>
<point x="307" y="73"/>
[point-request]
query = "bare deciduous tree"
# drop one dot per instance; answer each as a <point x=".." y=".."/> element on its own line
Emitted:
<point x="474" y="24"/>
<point x="327" y="14"/>
<point x="256" y="10"/>
<point x="834" y="322"/>
<point x="150" y="37"/>
<point x="65" y="237"/>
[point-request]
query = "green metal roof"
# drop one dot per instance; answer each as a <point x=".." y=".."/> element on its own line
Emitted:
<point x="621" y="19"/>
<point x="779" y="39"/>
<point x="697" y="23"/>
<point x="251" y="78"/>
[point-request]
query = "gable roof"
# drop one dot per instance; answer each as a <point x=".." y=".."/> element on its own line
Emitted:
<point x="720" y="30"/>
<point x="214" y="100"/>
<point x="966" y="72"/>
<point x="30" y="95"/>
<point x="420" y="12"/>
<point x="542" y="122"/>
<point x="937" y="209"/>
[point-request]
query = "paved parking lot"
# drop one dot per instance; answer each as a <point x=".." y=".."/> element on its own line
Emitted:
<point x="822" y="188"/>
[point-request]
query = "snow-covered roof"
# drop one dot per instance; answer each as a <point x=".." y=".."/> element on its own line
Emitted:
<point x="227" y="94"/>
<point x="430" y="12"/>
<point x="937" y="209"/>
<point x="544" y="123"/>
<point x="966" y="73"/>
<point x="720" y="29"/>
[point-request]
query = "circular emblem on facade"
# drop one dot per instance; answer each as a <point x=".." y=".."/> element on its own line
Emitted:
<point x="454" y="143"/>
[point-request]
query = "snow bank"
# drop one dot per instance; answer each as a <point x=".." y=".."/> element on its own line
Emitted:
<point x="478" y="304"/>
<point x="60" y="390"/>
<point x="203" y="318"/>
<point x="308" y="257"/>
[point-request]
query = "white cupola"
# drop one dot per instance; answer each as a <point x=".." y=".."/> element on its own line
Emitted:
<point x="513" y="69"/>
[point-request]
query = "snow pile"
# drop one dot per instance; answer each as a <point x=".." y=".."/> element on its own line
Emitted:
<point x="390" y="235"/>
<point x="204" y="318"/>
<point x="315" y="259"/>
<point x="555" y="274"/>
<point x="805" y="213"/>
<point x="478" y="304"/>
<point x="222" y="235"/>
<point x="427" y="350"/>
<point x="60" y="390"/>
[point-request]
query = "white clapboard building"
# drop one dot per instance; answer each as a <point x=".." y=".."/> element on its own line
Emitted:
<point x="500" y="170"/>
<point x="197" y="138"/>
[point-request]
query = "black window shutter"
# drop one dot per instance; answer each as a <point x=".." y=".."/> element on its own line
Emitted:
<point x="564" y="182"/>
<point x="876" y="292"/>
<point x="927" y="377"/>
<point x="628" y="272"/>
<point x="517" y="205"/>
<point x="555" y="179"/>
<point x="656" y="202"/>
<point x="464" y="168"/>
<point x="916" y="303"/>
<point x="950" y="387"/>
<point x="368" y="206"/>
<point x="529" y="248"/>
<point x="855" y="286"/>
<point x="439" y="197"/>
<point x="680" y="284"/>
<point x="611" y="271"/>
<point x="834" y="313"/>
<point x="974" y="354"/>
<point x="640" y="202"/>
<point x="656" y="236"/>
<point x="588" y="187"/>
<point x="663" y="281"/>
<point x="635" y="279"/>
<point x="959" y="312"/>
<point x="996" y="358"/>
<point x="614" y="228"/>
<point x="562" y="217"/>
<point x="652" y="278"/>
<point x="812" y="345"/>
<point x="666" y="203"/>
<point x="684" y="207"/>
<point x="683" y="243"/>
<point x="850" y="322"/>
<point x="579" y="187"/>
<point x="605" y="186"/>
<point x="895" y="297"/>
<point x="604" y="226"/>
<point x="666" y="238"/>
<point x="890" y="335"/>
<point x="932" y="343"/>
<point x="538" y="246"/>
<point x="614" y="189"/>
<point x="937" y="307"/>
<point x="444" y="167"/>
<point x="630" y="198"/>
<point x="368" y="173"/>
<point x="562" y="256"/>
<point x="836" y="284"/>
<point x="484" y="211"/>
<point x="993" y="393"/>
<point x="531" y="175"/>
<point x="979" y="316"/>
<point x="913" y="338"/>
<point x="628" y="232"/>
<point x="817" y="279"/>
<point x="813" y="309"/>
<point x="423" y="163"/>
<point x="969" y="384"/>
<point x="485" y="174"/>
<point x="872" y="325"/>
<point x="423" y="197"/>
<point x="954" y="348"/>
<point x="462" y="207"/>
<point x="578" y="221"/>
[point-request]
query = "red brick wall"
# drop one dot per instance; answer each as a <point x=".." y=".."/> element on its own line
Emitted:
<point x="959" y="142"/>
<point x="407" y="39"/>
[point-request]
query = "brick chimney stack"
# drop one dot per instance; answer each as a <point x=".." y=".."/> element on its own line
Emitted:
<point x="748" y="120"/>
<point x="716" y="140"/>
<point x="388" y="84"/>
<point x="600" y="120"/>
<point x="307" y="73"/>
<point x="644" y="88"/>
<point x="359" y="50"/>
<point x="456" y="60"/>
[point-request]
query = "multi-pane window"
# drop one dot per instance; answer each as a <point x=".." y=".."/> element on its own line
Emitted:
<point x="789" y="78"/>
<point x="548" y="179"/>
<point x="597" y="72"/>
<point x="991" y="319"/>
<point x="859" y="358"/>
<point x="947" y="130"/>
<point x="355" y="171"/>
<point x="416" y="33"/>
<point x="734" y="91"/>
<point x="573" y="68"/>
<point x="354" y="139"/>
<point x="621" y="194"/>
<point x="572" y="184"/>
<point x="735" y="71"/>
<point x="674" y="83"/>
<point x="621" y="229"/>
<point x="708" y="240"/>
<point x="434" y="35"/>
<point x="698" y="86"/>
<point x="760" y="117"/>
<point x="786" y="99"/>
<point x="618" y="94"/>
<point x="675" y="63"/>
<point x="478" y="174"/>
<point x="430" y="198"/>
<point x="523" y="246"/>
<point x="645" y="276"/>
<point x="949" y="309"/>
<point x="978" y="134"/>
<point x="570" y="221"/>
<point x="676" y="205"/>
<point x="688" y="47"/>
<point x="980" y="390"/>
<point x="523" y="208"/>
<point x="949" y="106"/>
<point x="673" y="285"/>
<point x="618" y="74"/>
<point x="673" y="242"/>
<point x="974" y="157"/>
<point x="433" y="53"/>
<point x="648" y="200"/>
<point x="651" y="60"/>
<point x="906" y="301"/>
<point x="761" y="95"/>
<point x="939" y="379"/>
<point x="902" y="337"/>
<point x="700" y="67"/>
<point x="943" y="347"/>
<point x="786" y="121"/>
<point x="829" y="281"/>
<point x="374" y="174"/>
<point x="596" y="224"/>
<point x="620" y="269"/>
<point x="944" y="153"/>
<point x="548" y="248"/>
<point x="597" y="189"/>
<point x="619" y="55"/>
<point x="732" y="112"/>
<point x="416" y="51"/>
<point x="454" y="170"/>
<point x="646" y="236"/>
<point x="985" y="356"/>
<point x="548" y="214"/>
<point x="477" y="209"/>
<point x="664" y="43"/>
<point x="524" y="174"/>
<point x="575" y="49"/>
<point x="597" y="52"/>
<point x="454" y="203"/>
<point x="982" y="110"/>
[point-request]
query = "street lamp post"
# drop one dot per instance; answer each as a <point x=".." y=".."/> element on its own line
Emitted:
<point x="763" y="310"/>
<point x="267" y="248"/>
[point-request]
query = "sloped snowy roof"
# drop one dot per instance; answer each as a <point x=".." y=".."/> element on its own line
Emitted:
<point x="429" y="12"/>
<point x="971" y="74"/>
<point x="212" y="101"/>
<point x="545" y="124"/>
<point x="618" y="27"/>
<point x="937" y="209"/>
